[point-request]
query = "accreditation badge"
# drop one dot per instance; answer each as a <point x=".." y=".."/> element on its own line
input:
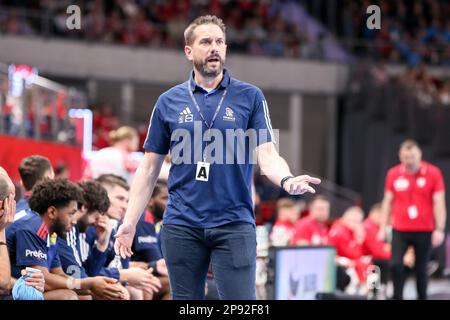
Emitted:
<point x="202" y="173"/>
<point x="413" y="212"/>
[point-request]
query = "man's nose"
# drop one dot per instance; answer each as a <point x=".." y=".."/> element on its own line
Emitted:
<point x="214" y="48"/>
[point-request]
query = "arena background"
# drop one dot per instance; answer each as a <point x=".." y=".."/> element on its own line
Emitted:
<point x="343" y="96"/>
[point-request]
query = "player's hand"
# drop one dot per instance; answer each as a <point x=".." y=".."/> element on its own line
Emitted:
<point x="142" y="279"/>
<point x="437" y="237"/>
<point x="124" y="240"/>
<point x="35" y="280"/>
<point x="300" y="184"/>
<point x="7" y="211"/>
<point x="107" y="288"/>
<point x="103" y="228"/>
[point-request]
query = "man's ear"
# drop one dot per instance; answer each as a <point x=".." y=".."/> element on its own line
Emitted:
<point x="52" y="212"/>
<point x="188" y="52"/>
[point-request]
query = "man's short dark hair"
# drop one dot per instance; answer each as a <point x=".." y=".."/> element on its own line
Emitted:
<point x="54" y="192"/>
<point x="95" y="197"/>
<point x="208" y="19"/>
<point x="409" y="144"/>
<point x="4" y="188"/>
<point x="160" y="184"/>
<point x="32" y="169"/>
<point x="112" y="180"/>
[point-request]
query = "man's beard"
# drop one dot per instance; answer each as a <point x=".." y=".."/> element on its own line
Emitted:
<point x="158" y="212"/>
<point x="202" y="67"/>
<point x="60" y="229"/>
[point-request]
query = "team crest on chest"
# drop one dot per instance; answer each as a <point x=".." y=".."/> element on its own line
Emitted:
<point x="229" y="114"/>
<point x="421" y="182"/>
<point x="401" y="184"/>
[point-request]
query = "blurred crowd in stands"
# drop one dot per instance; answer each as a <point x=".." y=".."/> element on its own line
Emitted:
<point x="253" y="27"/>
<point x="411" y="31"/>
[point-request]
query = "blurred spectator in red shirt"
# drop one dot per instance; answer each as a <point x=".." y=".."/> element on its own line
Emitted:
<point x="312" y="229"/>
<point x="288" y="212"/>
<point x="373" y="246"/>
<point x="347" y="235"/>
<point x="104" y="122"/>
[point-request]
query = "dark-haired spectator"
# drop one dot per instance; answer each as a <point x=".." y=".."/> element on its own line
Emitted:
<point x="32" y="169"/>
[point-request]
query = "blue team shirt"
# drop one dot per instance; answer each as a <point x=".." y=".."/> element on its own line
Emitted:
<point x="29" y="244"/>
<point x="112" y="263"/>
<point x="226" y="197"/>
<point x="78" y="258"/>
<point x="145" y="245"/>
<point x="22" y="208"/>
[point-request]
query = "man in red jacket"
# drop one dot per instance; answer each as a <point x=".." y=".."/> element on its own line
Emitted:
<point x="415" y="197"/>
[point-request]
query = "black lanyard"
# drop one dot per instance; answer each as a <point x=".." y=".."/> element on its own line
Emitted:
<point x="208" y="125"/>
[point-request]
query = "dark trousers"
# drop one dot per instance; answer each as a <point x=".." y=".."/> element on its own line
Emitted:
<point x="231" y="250"/>
<point x="421" y="241"/>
